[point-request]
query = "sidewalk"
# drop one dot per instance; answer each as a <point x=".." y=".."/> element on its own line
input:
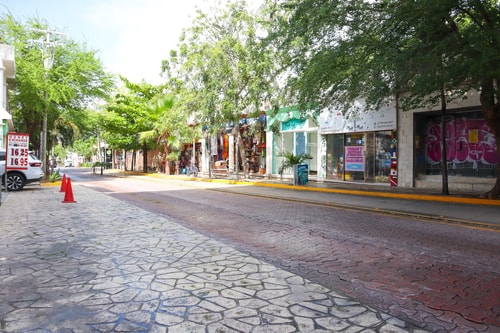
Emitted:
<point x="102" y="265"/>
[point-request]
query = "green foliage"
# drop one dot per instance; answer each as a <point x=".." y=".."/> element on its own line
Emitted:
<point x="173" y="156"/>
<point x="127" y="115"/>
<point x="340" y="50"/>
<point x="60" y="152"/>
<point x="425" y="53"/>
<point x="55" y="176"/>
<point x="84" y="147"/>
<point x="289" y="160"/>
<point x="142" y="116"/>
<point x="222" y="68"/>
<point x="169" y="126"/>
<point x="75" y="80"/>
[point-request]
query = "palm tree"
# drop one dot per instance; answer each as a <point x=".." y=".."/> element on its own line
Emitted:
<point x="167" y="127"/>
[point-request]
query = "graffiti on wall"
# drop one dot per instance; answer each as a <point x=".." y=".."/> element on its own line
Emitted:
<point x="467" y="140"/>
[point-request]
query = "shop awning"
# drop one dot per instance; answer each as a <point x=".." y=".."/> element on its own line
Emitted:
<point x="286" y="113"/>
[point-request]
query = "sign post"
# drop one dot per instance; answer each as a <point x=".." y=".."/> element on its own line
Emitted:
<point x="16" y="153"/>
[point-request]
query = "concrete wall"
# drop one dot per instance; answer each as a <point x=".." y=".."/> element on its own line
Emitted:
<point x="7" y="71"/>
<point x="406" y="143"/>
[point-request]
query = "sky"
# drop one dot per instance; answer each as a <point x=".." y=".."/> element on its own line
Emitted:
<point x="132" y="37"/>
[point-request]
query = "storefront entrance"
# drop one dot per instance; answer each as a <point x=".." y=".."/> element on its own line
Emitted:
<point x="360" y="156"/>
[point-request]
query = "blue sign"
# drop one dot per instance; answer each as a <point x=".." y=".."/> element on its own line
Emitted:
<point x="303" y="174"/>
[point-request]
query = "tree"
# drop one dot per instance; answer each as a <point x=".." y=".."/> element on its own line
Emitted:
<point x="340" y="50"/>
<point x="221" y="68"/>
<point x="62" y="93"/>
<point x="168" y="128"/>
<point x="84" y="147"/>
<point x="129" y="114"/>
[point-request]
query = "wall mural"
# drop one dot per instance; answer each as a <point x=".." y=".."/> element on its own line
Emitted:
<point x="467" y="140"/>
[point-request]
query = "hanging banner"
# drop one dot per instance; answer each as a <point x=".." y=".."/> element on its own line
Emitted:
<point x="17" y="151"/>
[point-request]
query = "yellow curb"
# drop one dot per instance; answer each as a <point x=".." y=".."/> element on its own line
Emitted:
<point x="58" y="183"/>
<point x="405" y="196"/>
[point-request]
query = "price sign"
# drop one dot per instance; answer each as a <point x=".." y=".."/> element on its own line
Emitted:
<point x="17" y="151"/>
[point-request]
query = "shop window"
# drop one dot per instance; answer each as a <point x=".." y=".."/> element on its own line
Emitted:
<point x="470" y="146"/>
<point x="335" y="156"/>
<point x="300" y="143"/>
<point x="384" y="149"/>
<point x="312" y="149"/>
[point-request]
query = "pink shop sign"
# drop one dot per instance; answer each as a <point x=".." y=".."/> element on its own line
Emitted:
<point x="355" y="158"/>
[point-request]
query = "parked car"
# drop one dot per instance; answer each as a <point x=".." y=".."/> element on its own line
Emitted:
<point x="68" y="163"/>
<point x="19" y="178"/>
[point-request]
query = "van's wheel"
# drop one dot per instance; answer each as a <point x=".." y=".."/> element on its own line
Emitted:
<point x="15" y="181"/>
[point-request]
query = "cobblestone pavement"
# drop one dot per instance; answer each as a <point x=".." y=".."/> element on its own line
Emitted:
<point x="100" y="265"/>
<point x="436" y="275"/>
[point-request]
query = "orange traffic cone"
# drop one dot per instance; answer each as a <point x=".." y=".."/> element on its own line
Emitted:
<point x="63" y="184"/>
<point x="68" y="196"/>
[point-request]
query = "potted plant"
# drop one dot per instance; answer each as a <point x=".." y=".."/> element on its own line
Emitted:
<point x="291" y="161"/>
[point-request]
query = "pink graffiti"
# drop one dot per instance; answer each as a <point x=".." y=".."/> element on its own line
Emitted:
<point x="459" y="149"/>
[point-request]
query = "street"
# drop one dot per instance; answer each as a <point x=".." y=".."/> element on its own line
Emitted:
<point x="443" y="276"/>
<point x="440" y="277"/>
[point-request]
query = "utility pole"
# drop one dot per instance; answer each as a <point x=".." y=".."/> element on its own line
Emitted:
<point x="47" y="46"/>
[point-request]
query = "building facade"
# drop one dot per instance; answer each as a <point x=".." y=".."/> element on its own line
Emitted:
<point x="297" y="133"/>
<point x="389" y="146"/>
<point x="359" y="144"/>
<point x="7" y="71"/>
<point x="471" y="151"/>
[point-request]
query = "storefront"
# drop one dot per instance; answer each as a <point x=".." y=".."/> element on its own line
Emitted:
<point x="363" y="156"/>
<point x="360" y="145"/>
<point x="186" y="157"/>
<point x="471" y="150"/>
<point x="298" y="134"/>
<point x="221" y="153"/>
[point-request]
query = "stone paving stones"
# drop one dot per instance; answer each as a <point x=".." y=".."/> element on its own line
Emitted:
<point x="102" y="265"/>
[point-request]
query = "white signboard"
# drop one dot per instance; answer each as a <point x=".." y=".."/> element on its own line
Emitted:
<point x="17" y="151"/>
<point x="358" y="119"/>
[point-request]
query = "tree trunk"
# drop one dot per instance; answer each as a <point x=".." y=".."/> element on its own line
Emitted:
<point x="490" y="108"/>
<point x="240" y="153"/>
<point x="444" y="160"/>
<point x="132" y="166"/>
<point x="243" y="156"/>
<point x="145" y="158"/>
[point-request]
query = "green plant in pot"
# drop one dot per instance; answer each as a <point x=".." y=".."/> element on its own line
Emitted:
<point x="290" y="159"/>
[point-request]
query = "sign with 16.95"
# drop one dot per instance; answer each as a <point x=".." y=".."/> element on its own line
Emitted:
<point x="17" y="151"/>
